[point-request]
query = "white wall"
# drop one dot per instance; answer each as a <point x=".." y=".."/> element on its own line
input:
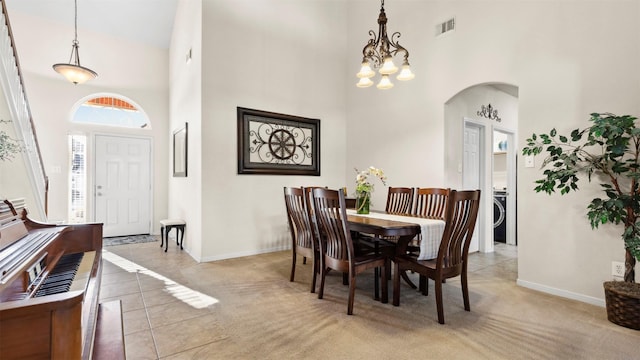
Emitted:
<point x="278" y="56"/>
<point x="132" y="70"/>
<point x="185" y="193"/>
<point x="567" y="61"/>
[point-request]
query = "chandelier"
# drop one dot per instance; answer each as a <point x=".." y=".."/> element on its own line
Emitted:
<point x="379" y="53"/>
<point x="73" y="71"/>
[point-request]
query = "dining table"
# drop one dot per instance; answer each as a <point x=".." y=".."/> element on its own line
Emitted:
<point x="402" y="229"/>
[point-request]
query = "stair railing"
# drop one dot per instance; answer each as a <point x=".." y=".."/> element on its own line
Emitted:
<point x="15" y="94"/>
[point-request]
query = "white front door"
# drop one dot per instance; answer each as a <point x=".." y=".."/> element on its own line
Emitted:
<point x="123" y="185"/>
<point x="471" y="171"/>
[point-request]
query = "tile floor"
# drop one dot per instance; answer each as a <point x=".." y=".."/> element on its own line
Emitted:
<point x="164" y="313"/>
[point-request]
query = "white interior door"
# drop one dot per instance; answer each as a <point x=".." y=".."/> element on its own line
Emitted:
<point x="122" y="185"/>
<point x="472" y="171"/>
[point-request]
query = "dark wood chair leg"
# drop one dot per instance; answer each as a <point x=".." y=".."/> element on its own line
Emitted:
<point x="424" y="285"/>
<point x="376" y="283"/>
<point x="181" y="237"/>
<point x="161" y="236"/>
<point x="385" y="283"/>
<point x="293" y="266"/>
<point x="396" y="284"/>
<point x="323" y="274"/>
<point x="465" y="291"/>
<point x="440" y="306"/>
<point x="314" y="276"/>
<point x="352" y="293"/>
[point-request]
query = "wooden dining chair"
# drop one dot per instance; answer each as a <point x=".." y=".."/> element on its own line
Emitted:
<point x="460" y="219"/>
<point x="399" y="200"/>
<point x="304" y="242"/>
<point x="431" y="203"/>
<point x="337" y="249"/>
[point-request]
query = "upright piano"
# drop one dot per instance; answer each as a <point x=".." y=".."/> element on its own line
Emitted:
<point x="49" y="286"/>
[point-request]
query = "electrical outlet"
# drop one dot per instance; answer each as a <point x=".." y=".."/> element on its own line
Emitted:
<point x="529" y="161"/>
<point x="617" y="268"/>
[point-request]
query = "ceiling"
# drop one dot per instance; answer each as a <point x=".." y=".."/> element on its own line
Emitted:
<point x="146" y="21"/>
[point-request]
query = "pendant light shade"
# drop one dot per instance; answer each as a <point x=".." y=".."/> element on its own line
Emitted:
<point x="364" y="82"/>
<point x="384" y="83"/>
<point x="73" y="71"/>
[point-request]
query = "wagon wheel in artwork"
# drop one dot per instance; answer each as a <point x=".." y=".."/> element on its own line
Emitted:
<point x="282" y="144"/>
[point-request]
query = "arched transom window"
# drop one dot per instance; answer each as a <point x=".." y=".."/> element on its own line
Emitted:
<point x="112" y="111"/>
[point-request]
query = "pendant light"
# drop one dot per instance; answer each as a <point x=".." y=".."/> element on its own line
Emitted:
<point x="73" y="71"/>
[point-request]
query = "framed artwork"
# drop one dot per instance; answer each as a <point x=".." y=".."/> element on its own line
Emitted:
<point x="180" y="152"/>
<point x="277" y="144"/>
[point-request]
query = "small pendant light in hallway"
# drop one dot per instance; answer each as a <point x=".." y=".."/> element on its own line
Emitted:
<point x="73" y="71"/>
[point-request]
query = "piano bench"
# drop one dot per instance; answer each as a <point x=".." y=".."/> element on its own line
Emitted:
<point x="165" y="227"/>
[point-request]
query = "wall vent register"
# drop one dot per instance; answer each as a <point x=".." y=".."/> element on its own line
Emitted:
<point x="446" y="26"/>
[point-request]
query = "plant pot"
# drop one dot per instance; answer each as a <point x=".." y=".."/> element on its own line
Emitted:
<point x="623" y="303"/>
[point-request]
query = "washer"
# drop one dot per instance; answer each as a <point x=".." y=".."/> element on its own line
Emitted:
<point x="500" y="216"/>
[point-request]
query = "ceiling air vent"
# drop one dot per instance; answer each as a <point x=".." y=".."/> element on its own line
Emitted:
<point x="446" y="26"/>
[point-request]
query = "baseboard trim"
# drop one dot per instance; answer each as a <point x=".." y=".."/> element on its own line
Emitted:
<point x="562" y="293"/>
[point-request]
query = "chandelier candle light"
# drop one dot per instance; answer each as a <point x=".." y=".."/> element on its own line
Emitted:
<point x="364" y="188"/>
<point x="379" y="53"/>
<point x="73" y="71"/>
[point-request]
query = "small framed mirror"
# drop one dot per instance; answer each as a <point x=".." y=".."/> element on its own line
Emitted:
<point x="180" y="152"/>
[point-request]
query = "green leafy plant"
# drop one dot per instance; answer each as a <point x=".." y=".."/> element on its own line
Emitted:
<point x="9" y="147"/>
<point x="610" y="150"/>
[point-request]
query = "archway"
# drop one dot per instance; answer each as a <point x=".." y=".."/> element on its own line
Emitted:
<point x="492" y="108"/>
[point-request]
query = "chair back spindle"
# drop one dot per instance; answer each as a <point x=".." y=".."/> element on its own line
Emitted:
<point x="431" y="203"/>
<point x="399" y="200"/>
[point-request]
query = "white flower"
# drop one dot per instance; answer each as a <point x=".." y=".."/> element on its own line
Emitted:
<point x="362" y="179"/>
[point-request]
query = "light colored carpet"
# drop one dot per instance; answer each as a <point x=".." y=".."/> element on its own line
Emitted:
<point x="261" y="315"/>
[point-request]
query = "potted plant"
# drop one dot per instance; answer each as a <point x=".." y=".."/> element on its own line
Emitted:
<point x="609" y="149"/>
<point x="9" y="147"/>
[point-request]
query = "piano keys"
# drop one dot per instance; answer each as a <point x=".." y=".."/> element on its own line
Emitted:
<point x="49" y="287"/>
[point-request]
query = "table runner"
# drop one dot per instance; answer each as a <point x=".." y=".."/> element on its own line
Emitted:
<point x="430" y="231"/>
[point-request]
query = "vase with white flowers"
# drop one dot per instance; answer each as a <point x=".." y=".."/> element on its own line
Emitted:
<point x="364" y="187"/>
